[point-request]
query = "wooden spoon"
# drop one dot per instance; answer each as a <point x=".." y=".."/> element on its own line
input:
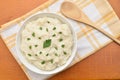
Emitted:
<point x="70" y="10"/>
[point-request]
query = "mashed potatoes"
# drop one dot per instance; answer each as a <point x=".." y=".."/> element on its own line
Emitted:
<point x="46" y="43"/>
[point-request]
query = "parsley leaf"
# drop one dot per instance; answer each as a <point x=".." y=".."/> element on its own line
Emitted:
<point x="54" y="28"/>
<point x="36" y="55"/>
<point x="56" y="54"/>
<point x="53" y="35"/>
<point x="56" y="48"/>
<point x="36" y="45"/>
<point x="47" y="29"/>
<point x="63" y="46"/>
<point x="60" y="32"/>
<point x="47" y="54"/>
<point x="60" y="39"/>
<point x="47" y="43"/>
<point x="39" y="37"/>
<point x="40" y="28"/>
<point x="30" y="47"/>
<point x="43" y="62"/>
<point x="40" y="52"/>
<point x="64" y="53"/>
<point x="48" y="21"/>
<point x="28" y="38"/>
<point x="29" y="55"/>
<point x="33" y="34"/>
<point x="51" y="60"/>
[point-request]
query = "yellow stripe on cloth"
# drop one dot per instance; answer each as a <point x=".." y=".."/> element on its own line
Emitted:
<point x="105" y="18"/>
<point x="96" y="40"/>
<point x="9" y="37"/>
<point x="85" y="4"/>
<point x="78" y="2"/>
<point x="11" y="41"/>
<point x="11" y="45"/>
<point x="88" y="38"/>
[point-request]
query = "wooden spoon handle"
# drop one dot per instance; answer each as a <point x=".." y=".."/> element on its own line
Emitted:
<point x="105" y="33"/>
<point x="84" y="19"/>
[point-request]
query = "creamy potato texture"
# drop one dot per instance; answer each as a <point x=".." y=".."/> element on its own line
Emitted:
<point x="46" y="43"/>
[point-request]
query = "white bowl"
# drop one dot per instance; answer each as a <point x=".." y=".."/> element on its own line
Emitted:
<point x="31" y="66"/>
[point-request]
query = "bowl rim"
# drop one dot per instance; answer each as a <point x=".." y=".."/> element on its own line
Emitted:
<point x="32" y="66"/>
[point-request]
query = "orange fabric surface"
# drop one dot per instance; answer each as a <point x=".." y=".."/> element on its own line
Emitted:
<point x="104" y="64"/>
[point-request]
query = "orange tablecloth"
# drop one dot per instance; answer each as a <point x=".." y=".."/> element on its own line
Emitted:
<point x="101" y="65"/>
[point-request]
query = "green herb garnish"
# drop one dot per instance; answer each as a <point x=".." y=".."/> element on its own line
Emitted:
<point x="56" y="54"/>
<point x="51" y="60"/>
<point x="28" y="38"/>
<point x="47" y="29"/>
<point x="29" y="55"/>
<point x="64" y="52"/>
<point x="56" y="48"/>
<point x="54" y="28"/>
<point x="36" y="45"/>
<point x="33" y="34"/>
<point x="43" y="62"/>
<point x="40" y="52"/>
<point x="40" y="28"/>
<point x="36" y="55"/>
<point x="30" y="47"/>
<point x="63" y="46"/>
<point x="48" y="21"/>
<point x="53" y="35"/>
<point x="39" y="37"/>
<point x="60" y="39"/>
<point x="60" y="32"/>
<point x="47" y="43"/>
<point x="47" y="54"/>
